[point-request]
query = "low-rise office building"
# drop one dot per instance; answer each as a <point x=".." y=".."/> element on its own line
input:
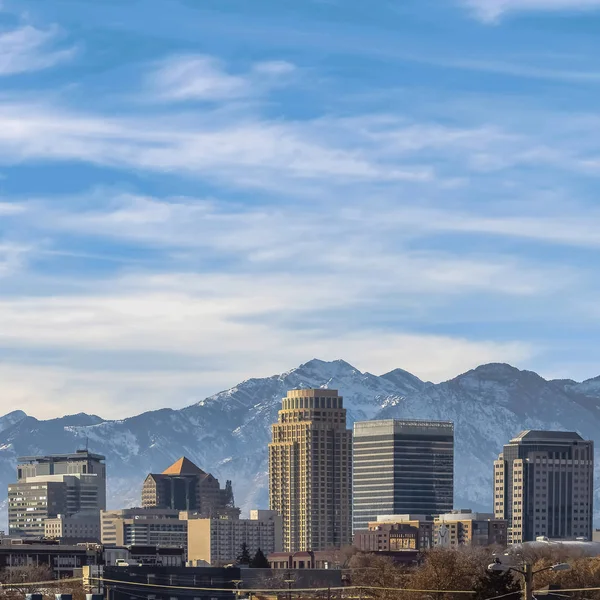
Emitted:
<point x="143" y="527"/>
<point x="180" y="583"/>
<point x="63" y="560"/>
<point x="396" y="533"/>
<point x="218" y="541"/>
<point x="77" y="528"/>
<point x="467" y="528"/>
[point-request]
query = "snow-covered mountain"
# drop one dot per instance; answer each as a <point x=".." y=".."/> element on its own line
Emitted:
<point x="227" y="434"/>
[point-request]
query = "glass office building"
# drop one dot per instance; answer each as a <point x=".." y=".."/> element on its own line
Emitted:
<point x="401" y="467"/>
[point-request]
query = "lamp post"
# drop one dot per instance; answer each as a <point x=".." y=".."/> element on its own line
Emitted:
<point x="289" y="583"/>
<point x="527" y="572"/>
<point x="237" y="582"/>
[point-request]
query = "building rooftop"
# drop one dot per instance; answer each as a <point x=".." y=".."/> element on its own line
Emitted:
<point x="79" y="455"/>
<point x="183" y="466"/>
<point x="465" y="515"/>
<point x="402" y="518"/>
<point x="312" y="393"/>
<point x="393" y="426"/>
<point x="533" y="435"/>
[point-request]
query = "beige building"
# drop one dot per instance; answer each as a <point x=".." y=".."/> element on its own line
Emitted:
<point x="544" y="484"/>
<point x="218" y="541"/>
<point x="310" y="471"/>
<point x="396" y="533"/>
<point x="143" y="527"/>
<point x="80" y="527"/>
<point x="467" y="528"/>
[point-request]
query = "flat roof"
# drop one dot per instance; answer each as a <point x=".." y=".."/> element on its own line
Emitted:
<point x="399" y="426"/>
<point x="538" y="435"/>
<point x="79" y="455"/>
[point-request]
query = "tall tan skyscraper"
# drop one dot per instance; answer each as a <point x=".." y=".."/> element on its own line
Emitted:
<point x="310" y="471"/>
<point x="544" y="485"/>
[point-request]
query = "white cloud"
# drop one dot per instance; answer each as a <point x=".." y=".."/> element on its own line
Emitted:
<point x="29" y="49"/>
<point x="11" y="208"/>
<point x="247" y="151"/>
<point x="205" y="78"/>
<point x="196" y="77"/>
<point x="12" y="258"/>
<point x="274" y="67"/>
<point x="372" y="244"/>
<point x="46" y="391"/>
<point x="491" y="10"/>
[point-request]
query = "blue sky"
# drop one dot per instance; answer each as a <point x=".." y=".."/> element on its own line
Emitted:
<point x="194" y="192"/>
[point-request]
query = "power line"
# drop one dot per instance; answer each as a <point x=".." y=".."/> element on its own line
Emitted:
<point x="32" y="583"/>
<point x="282" y="590"/>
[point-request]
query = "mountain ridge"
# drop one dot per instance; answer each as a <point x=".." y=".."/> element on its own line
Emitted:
<point x="227" y="433"/>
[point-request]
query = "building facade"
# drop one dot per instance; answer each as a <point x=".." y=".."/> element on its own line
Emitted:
<point x="396" y="533"/>
<point x="143" y="527"/>
<point x="62" y="560"/>
<point x="77" y="528"/>
<point x="310" y="471"/>
<point x="47" y="486"/>
<point x="218" y="541"/>
<point x="168" y="582"/>
<point x="467" y="528"/>
<point x="401" y="467"/>
<point x="543" y="486"/>
<point x="184" y="486"/>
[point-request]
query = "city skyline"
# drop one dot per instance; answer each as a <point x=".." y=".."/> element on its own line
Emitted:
<point x="181" y="195"/>
<point x="319" y="473"/>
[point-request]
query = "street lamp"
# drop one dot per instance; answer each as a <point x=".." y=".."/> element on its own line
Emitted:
<point x="237" y="582"/>
<point x="289" y="583"/>
<point x="527" y="572"/>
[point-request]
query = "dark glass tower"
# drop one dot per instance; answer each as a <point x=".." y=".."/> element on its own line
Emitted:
<point x="402" y="467"/>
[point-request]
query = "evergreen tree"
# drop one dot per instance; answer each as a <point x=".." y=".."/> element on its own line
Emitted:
<point x="497" y="583"/>
<point x="244" y="555"/>
<point x="260" y="561"/>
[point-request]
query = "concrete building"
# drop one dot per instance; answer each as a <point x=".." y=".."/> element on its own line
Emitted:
<point x="218" y="541"/>
<point x="168" y="582"/>
<point x="396" y="533"/>
<point x="301" y="561"/>
<point x="184" y="486"/>
<point x="55" y="484"/>
<point x="143" y="527"/>
<point x="201" y="583"/>
<point x="468" y="528"/>
<point x="310" y="471"/>
<point x="401" y="467"/>
<point x="62" y="560"/>
<point x="543" y="486"/>
<point x="80" y="527"/>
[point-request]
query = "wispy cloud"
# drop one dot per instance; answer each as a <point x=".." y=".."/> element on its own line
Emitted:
<point x="118" y="392"/>
<point x="12" y="258"/>
<point x="266" y="240"/>
<point x="492" y="10"/>
<point x="246" y="150"/>
<point x="30" y="49"/>
<point x="200" y="77"/>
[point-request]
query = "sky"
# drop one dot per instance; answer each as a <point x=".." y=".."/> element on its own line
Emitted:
<point x="195" y="192"/>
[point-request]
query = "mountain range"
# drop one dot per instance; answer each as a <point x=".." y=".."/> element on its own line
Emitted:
<point x="227" y="434"/>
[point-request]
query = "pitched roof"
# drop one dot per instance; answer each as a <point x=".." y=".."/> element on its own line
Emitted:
<point x="183" y="466"/>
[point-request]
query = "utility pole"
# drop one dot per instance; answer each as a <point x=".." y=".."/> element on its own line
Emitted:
<point x="527" y="573"/>
<point x="527" y="581"/>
